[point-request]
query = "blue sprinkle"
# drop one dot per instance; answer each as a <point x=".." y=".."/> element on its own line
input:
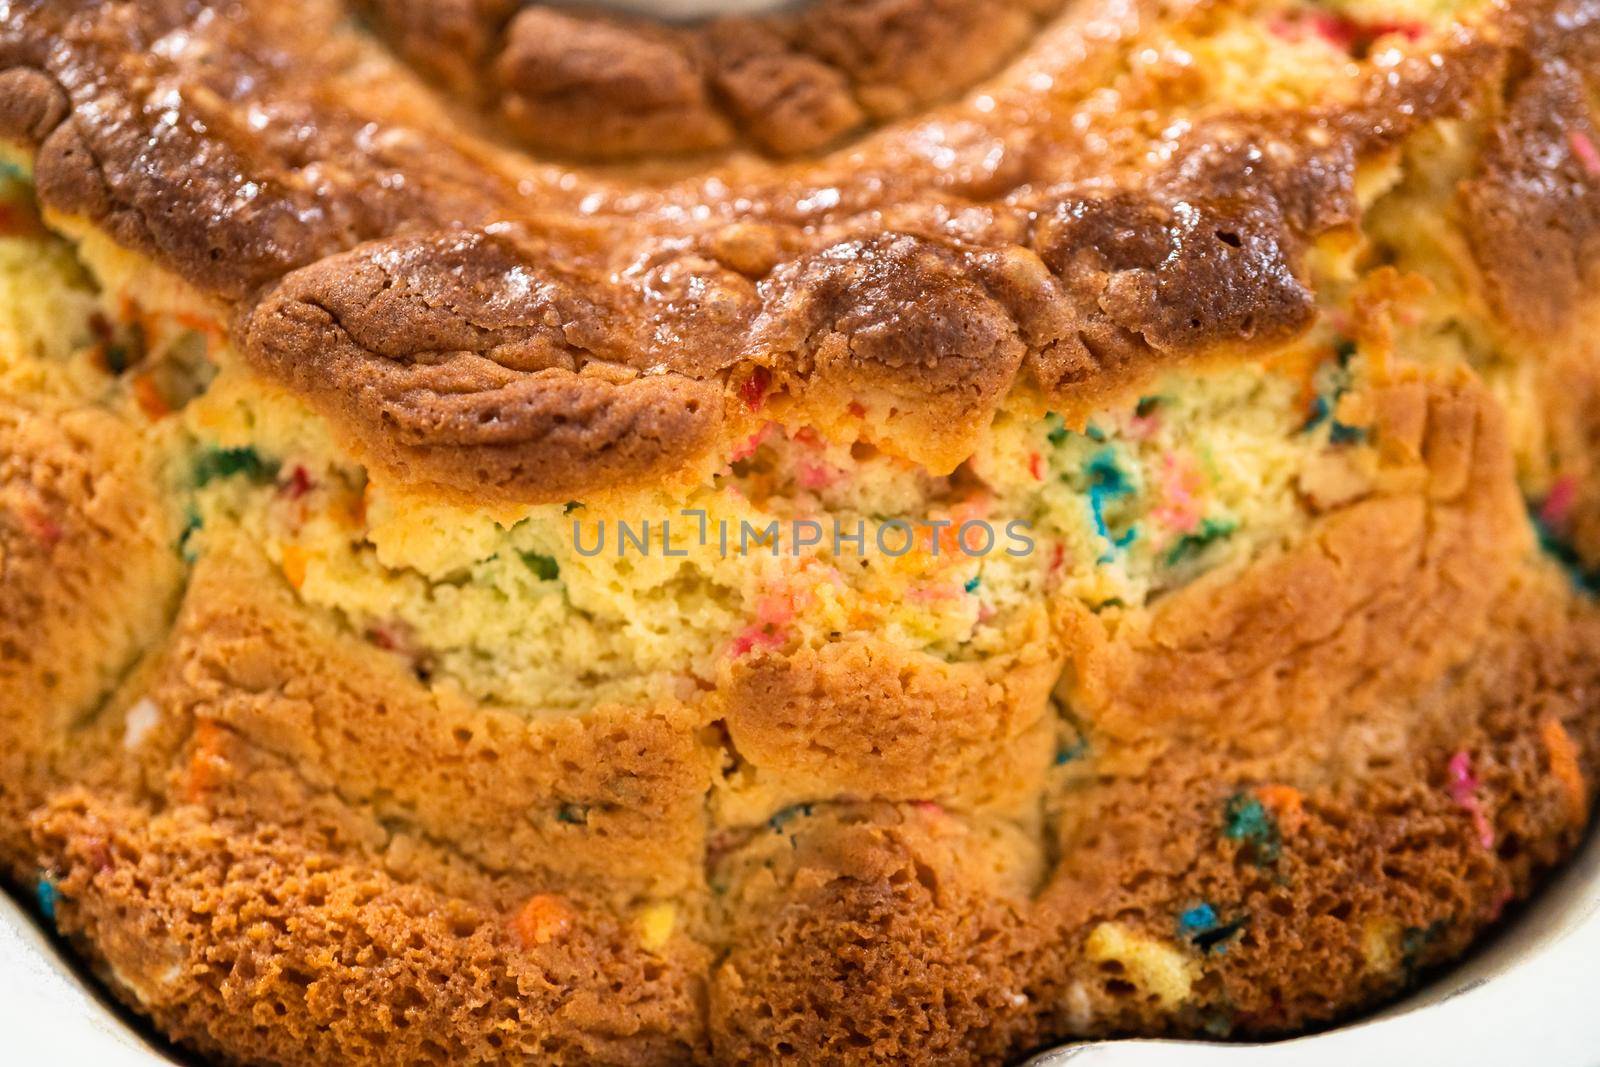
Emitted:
<point x="973" y="583"/>
<point x="1340" y="434"/>
<point x="1067" y="753"/>
<point x="47" y="895"/>
<point x="1206" y="931"/>
<point x="1319" y="411"/>
<point x="1107" y="482"/>
<point x="1198" y="919"/>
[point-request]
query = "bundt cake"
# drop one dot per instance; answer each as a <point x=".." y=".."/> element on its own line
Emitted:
<point x="883" y="531"/>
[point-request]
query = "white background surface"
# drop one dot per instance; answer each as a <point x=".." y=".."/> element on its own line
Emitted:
<point x="1532" y="997"/>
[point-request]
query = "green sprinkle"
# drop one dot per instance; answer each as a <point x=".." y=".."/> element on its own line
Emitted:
<point x="226" y="462"/>
<point x="1189" y="544"/>
<point x="545" y="567"/>
<point x="1414" y="939"/>
<point x="1583" y="580"/>
<point x="191" y="526"/>
<point x="1246" y="821"/>
<point x="784" y="817"/>
<point x="1058" y="428"/>
<point x="1147" y="406"/>
<point x="571" y="506"/>
<point x="972" y="583"/>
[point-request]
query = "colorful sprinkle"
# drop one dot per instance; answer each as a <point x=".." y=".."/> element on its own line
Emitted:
<point x="1058" y="428"/>
<point x="788" y="815"/>
<point x="1211" y="530"/>
<point x="1247" y="821"/>
<point x="1284" y="802"/>
<point x="191" y="526"/>
<point x="543" y="918"/>
<point x="297" y="485"/>
<point x="47" y="895"/>
<point x="1181" y="485"/>
<point x="544" y="567"/>
<point x="1197" y="919"/>
<point x="1583" y="147"/>
<point x="44" y="530"/>
<point x="1067" y="753"/>
<point x="1565" y="769"/>
<point x="1463" y="788"/>
<point x="217" y="463"/>
<point x="1414" y="939"/>
<point x="1201" y="927"/>
<point x="1556" y="508"/>
<point x="573" y="814"/>
<point x="973" y="583"/>
<point x="753" y="390"/>
<point x="295" y="561"/>
<point x="1108" y="482"/>
<point x="149" y="397"/>
<point x="1583" y="580"/>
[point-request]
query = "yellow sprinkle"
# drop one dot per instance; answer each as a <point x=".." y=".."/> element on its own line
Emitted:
<point x="655" y="925"/>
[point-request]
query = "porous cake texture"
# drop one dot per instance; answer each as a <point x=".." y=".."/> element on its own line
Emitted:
<point x="895" y="531"/>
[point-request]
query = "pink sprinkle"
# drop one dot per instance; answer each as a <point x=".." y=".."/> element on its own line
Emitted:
<point x="297" y="485"/>
<point x="1557" y="506"/>
<point x="775" y="610"/>
<point x="42" y="527"/>
<point x="1346" y="33"/>
<point x="748" y="447"/>
<point x="1463" y="787"/>
<point x="1584" y="149"/>
<point x="928" y="807"/>
<point x="985" y="611"/>
<point x="813" y="475"/>
<point x="1144" y="427"/>
<point x="754" y="636"/>
<point x="754" y="389"/>
<point x="1498" y="905"/>
<point x="1180" y="482"/>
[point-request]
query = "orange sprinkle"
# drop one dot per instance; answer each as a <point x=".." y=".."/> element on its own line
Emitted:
<point x="295" y="559"/>
<point x="1284" y="803"/>
<point x="545" y="916"/>
<point x="149" y="398"/>
<point x="198" y="323"/>
<point x="1564" y="768"/>
<point x="206" y="761"/>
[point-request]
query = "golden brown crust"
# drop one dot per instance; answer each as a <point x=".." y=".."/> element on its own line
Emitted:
<point x="601" y="85"/>
<point x="88" y="579"/>
<point x="832" y="251"/>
